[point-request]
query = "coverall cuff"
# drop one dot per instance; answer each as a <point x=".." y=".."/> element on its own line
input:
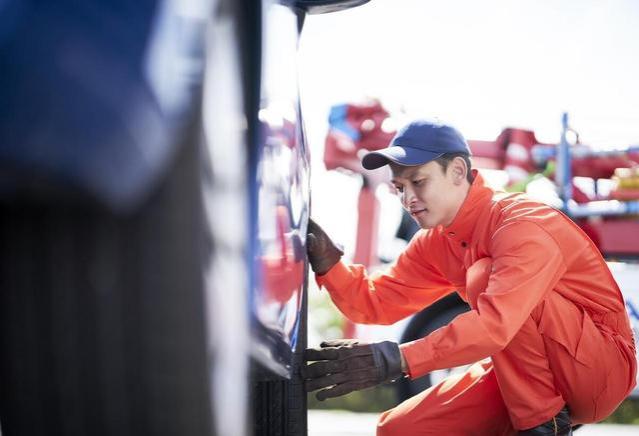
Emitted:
<point x="334" y="278"/>
<point x="418" y="361"/>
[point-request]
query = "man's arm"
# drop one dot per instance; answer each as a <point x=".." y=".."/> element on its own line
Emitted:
<point x="527" y="263"/>
<point x="411" y="284"/>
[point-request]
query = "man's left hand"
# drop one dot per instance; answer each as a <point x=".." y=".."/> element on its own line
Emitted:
<point x="345" y="365"/>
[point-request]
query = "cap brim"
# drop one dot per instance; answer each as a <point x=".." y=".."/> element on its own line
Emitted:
<point x="407" y="156"/>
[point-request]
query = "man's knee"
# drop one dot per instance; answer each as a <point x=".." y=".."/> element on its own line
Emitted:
<point x="395" y="422"/>
<point x="477" y="279"/>
<point x="389" y="424"/>
<point x="403" y="420"/>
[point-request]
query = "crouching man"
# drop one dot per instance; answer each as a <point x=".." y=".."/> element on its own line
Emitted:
<point x="545" y="307"/>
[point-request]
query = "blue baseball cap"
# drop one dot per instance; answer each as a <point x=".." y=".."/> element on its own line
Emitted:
<point x="418" y="143"/>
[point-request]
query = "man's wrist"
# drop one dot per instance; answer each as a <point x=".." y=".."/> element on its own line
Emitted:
<point x="404" y="363"/>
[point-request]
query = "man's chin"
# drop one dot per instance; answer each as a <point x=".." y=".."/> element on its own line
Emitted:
<point x="424" y="224"/>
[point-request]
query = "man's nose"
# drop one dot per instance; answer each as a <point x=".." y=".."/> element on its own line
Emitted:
<point x="408" y="198"/>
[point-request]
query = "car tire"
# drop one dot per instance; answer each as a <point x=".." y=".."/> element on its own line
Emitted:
<point x="430" y="319"/>
<point x="280" y="405"/>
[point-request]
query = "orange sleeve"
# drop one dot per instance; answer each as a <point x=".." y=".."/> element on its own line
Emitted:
<point x="527" y="263"/>
<point x="411" y="284"/>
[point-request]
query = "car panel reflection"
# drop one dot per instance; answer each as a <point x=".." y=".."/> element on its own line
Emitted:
<point x="282" y="196"/>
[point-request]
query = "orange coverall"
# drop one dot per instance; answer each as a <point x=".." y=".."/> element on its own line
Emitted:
<point x="545" y="309"/>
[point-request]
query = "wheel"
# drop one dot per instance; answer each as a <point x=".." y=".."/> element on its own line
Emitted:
<point x="280" y="405"/>
<point x="424" y="323"/>
<point x="102" y="327"/>
<point x="116" y="320"/>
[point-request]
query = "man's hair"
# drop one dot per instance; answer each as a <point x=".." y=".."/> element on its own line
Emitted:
<point x="447" y="158"/>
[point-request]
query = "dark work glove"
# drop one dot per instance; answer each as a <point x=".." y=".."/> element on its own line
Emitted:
<point x="322" y="252"/>
<point x="345" y="366"/>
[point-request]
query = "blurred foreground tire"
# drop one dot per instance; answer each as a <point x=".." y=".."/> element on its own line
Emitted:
<point x="102" y="327"/>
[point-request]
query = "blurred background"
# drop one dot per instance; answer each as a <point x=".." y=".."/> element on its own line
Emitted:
<point x="482" y="66"/>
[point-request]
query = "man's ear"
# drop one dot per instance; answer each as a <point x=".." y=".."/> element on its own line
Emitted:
<point x="458" y="169"/>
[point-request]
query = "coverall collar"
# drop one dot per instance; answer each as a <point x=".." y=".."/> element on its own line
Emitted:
<point x="464" y="222"/>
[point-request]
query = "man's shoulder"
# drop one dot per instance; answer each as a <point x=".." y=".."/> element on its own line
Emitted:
<point x="517" y="214"/>
<point x="516" y="205"/>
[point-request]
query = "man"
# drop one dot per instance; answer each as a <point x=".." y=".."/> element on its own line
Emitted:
<point x="544" y="306"/>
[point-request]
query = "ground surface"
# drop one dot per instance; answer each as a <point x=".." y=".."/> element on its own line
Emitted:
<point x="339" y="423"/>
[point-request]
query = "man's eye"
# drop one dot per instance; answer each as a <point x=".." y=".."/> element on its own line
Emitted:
<point x="399" y="189"/>
<point x="418" y="182"/>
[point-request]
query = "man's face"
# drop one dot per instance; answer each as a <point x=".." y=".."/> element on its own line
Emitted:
<point x="429" y="193"/>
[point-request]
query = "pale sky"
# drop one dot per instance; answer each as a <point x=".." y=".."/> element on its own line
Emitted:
<point x="483" y="64"/>
<point x="480" y="65"/>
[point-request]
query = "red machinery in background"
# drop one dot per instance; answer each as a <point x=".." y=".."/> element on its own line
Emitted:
<point x="354" y="130"/>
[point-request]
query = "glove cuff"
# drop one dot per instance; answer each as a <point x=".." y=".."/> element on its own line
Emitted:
<point x="388" y="359"/>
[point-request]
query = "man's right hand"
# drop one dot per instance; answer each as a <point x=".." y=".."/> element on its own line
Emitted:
<point x="323" y="254"/>
<point x="345" y="365"/>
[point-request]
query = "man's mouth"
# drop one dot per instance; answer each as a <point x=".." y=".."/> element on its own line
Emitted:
<point x="417" y="212"/>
